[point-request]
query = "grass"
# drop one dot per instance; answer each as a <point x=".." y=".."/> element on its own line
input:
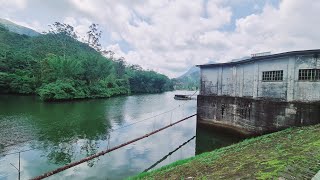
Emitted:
<point x="289" y="154"/>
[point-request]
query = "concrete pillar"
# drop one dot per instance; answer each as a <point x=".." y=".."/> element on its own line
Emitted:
<point x="220" y="74"/>
<point x="256" y="80"/>
<point x="234" y="81"/>
<point x="241" y="80"/>
<point x="290" y="80"/>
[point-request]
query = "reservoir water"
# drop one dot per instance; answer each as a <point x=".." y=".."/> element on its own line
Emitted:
<point x="54" y="134"/>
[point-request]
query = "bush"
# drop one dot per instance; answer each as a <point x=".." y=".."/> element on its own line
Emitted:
<point x="59" y="90"/>
<point x="12" y="83"/>
<point x="22" y="84"/>
<point x="4" y="82"/>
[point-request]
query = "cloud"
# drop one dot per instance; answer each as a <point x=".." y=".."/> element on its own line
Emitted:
<point x="14" y="4"/>
<point x="289" y="27"/>
<point x="170" y="36"/>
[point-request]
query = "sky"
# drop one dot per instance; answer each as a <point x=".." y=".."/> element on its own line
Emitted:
<point x="170" y="36"/>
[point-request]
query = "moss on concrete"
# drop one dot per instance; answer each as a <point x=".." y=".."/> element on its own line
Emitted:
<point x="291" y="154"/>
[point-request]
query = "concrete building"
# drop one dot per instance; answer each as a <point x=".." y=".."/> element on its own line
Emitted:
<point x="264" y="93"/>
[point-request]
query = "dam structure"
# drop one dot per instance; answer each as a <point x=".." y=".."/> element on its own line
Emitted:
<point x="262" y="93"/>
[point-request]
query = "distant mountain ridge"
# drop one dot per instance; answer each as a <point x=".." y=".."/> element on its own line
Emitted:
<point x="190" y="80"/>
<point x="17" y="28"/>
<point x="192" y="70"/>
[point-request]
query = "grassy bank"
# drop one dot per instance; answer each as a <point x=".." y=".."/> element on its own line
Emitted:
<point x="294" y="152"/>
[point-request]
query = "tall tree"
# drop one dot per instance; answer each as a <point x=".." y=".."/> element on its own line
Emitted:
<point x="65" y="30"/>
<point x="108" y="53"/>
<point x="94" y="35"/>
<point x="120" y="67"/>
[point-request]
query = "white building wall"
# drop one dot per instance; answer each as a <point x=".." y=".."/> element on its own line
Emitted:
<point x="209" y="81"/>
<point x="277" y="89"/>
<point x="228" y="80"/>
<point x="306" y="90"/>
<point x="245" y="80"/>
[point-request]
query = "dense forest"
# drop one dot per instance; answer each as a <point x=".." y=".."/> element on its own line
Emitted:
<point x="57" y="66"/>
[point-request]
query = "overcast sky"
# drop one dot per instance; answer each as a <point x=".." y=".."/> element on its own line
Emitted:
<point x="169" y="36"/>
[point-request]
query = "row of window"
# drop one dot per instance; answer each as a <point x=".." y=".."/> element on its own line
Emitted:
<point x="304" y="75"/>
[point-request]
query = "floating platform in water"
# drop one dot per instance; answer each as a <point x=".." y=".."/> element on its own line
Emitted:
<point x="182" y="97"/>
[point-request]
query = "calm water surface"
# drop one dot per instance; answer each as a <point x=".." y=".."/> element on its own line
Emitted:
<point x="60" y="133"/>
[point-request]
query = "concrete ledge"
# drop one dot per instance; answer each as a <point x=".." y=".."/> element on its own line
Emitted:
<point x="255" y="117"/>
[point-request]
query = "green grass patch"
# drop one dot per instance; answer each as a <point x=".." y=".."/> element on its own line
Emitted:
<point x="293" y="153"/>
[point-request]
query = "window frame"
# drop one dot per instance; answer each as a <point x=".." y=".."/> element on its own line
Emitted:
<point x="272" y="76"/>
<point x="311" y="75"/>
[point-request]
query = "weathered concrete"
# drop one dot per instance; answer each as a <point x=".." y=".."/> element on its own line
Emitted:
<point x="244" y="78"/>
<point x="234" y="95"/>
<point x="251" y="116"/>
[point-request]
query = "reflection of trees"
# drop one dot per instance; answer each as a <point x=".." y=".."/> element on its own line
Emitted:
<point x="65" y="153"/>
<point x="90" y="148"/>
<point x="115" y="109"/>
<point x="61" y="154"/>
<point x="65" y="122"/>
<point x="66" y="129"/>
<point x="84" y="120"/>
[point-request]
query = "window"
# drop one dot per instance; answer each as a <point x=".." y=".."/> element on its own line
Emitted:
<point x="272" y="75"/>
<point x="309" y="74"/>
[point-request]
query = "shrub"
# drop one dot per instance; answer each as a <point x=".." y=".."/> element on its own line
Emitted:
<point x="59" y="90"/>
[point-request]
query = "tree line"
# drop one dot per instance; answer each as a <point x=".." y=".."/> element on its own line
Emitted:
<point x="57" y="66"/>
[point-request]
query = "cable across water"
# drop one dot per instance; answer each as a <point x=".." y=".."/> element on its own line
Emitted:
<point x="45" y="175"/>
<point x="113" y="130"/>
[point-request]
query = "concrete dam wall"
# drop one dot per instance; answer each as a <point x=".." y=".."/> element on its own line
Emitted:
<point x="263" y="93"/>
<point x="250" y="116"/>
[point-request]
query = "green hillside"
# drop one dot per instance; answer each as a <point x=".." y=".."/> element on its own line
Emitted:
<point x="290" y="154"/>
<point x="55" y="66"/>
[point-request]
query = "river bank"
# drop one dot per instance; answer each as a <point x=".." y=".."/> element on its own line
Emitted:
<point x="291" y="153"/>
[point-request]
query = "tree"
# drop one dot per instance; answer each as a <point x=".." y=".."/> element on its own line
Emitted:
<point x="120" y="67"/>
<point x="94" y="35"/>
<point x="56" y="66"/>
<point x="108" y="53"/>
<point x="64" y="30"/>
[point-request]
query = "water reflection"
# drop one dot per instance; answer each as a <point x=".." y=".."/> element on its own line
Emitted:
<point x="169" y="154"/>
<point x="65" y="132"/>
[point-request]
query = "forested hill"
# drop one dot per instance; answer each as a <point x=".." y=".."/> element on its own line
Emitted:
<point x="56" y="66"/>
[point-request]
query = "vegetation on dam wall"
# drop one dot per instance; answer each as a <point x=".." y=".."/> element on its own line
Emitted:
<point x="291" y="154"/>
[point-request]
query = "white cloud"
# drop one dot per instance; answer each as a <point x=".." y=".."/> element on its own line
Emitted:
<point x="13" y="4"/>
<point x="291" y="27"/>
<point x="170" y="36"/>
